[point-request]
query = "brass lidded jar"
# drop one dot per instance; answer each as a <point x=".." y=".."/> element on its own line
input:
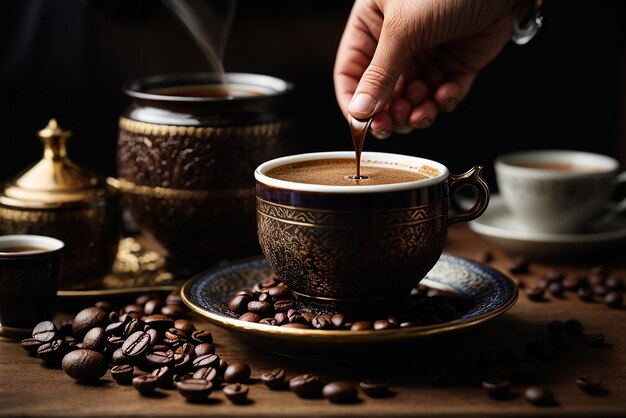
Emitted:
<point x="58" y="198"/>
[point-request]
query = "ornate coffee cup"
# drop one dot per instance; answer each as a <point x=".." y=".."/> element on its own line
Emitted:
<point x="359" y="250"/>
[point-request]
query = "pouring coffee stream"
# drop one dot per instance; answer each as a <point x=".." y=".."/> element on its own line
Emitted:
<point x="358" y="129"/>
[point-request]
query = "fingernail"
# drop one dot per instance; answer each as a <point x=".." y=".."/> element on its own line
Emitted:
<point x="450" y="104"/>
<point x="424" y="123"/>
<point x="362" y="104"/>
<point x="403" y="128"/>
<point x="381" y="135"/>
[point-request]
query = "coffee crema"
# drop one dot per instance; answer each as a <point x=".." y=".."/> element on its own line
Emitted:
<point x="556" y="166"/>
<point x="208" y="90"/>
<point x="338" y="172"/>
<point x="22" y="249"/>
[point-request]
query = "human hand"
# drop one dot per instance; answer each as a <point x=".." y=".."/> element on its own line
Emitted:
<point x="404" y="61"/>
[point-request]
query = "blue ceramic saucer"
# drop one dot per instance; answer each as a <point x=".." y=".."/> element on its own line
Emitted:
<point x="490" y="294"/>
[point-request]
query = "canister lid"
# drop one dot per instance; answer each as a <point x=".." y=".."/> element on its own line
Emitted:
<point x="55" y="181"/>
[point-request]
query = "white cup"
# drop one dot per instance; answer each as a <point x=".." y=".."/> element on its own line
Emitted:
<point x="557" y="191"/>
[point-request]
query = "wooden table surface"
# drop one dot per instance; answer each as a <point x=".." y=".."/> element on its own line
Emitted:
<point x="28" y="388"/>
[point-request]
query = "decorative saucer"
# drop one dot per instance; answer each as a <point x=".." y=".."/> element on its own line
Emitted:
<point x="499" y="226"/>
<point x="489" y="292"/>
<point x="134" y="271"/>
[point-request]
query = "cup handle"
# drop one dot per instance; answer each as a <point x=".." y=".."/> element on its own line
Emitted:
<point x="619" y="207"/>
<point x="472" y="178"/>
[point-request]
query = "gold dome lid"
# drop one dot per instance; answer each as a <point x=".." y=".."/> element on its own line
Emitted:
<point x="55" y="181"/>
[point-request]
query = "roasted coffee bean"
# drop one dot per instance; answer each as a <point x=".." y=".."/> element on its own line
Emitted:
<point x="137" y="344"/>
<point x="614" y="300"/>
<point x="280" y="291"/>
<point x="553" y="276"/>
<point x="160" y="358"/>
<point x="239" y="303"/>
<point x="174" y="337"/>
<point x="274" y="379"/>
<point x="52" y="352"/>
<point x="407" y="324"/>
<point x="556" y="289"/>
<point x="122" y="374"/>
<point x="31" y="345"/>
<point x="113" y="316"/>
<point x="207" y="373"/>
<point x="296" y="317"/>
<point x="237" y="372"/>
<point x="570" y="283"/>
<point x="186" y="348"/>
<point x="574" y="328"/>
<point x="194" y="389"/>
<point x="305" y="386"/>
<point x="208" y="360"/>
<point x="153" y="306"/>
<point x="155" y="335"/>
<point x="362" y="326"/>
<point x="268" y="321"/>
<point x="615" y="283"/>
<point x="174" y="311"/>
<point x="203" y="349"/>
<point x="542" y="284"/>
<point x="556" y="327"/>
<point x="201" y="336"/>
<point x="185" y="325"/>
<point x="145" y="383"/>
<point x="250" y="317"/>
<point x="519" y="265"/>
<point x="94" y="339"/>
<point x="320" y="322"/>
<point x="104" y="305"/>
<point x="182" y="363"/>
<point x="308" y="317"/>
<point x="590" y="385"/>
<point x="595" y="340"/>
<point x="298" y="325"/>
<point x="236" y="393"/>
<point x="281" y="318"/>
<point x="375" y="388"/>
<point x="115" y="341"/>
<point x="338" y="321"/>
<point x="85" y="364"/>
<point x="118" y="357"/>
<point x="132" y="326"/>
<point x="585" y="294"/>
<point x="600" y="290"/>
<point x="222" y="367"/>
<point x="87" y="319"/>
<point x="248" y="292"/>
<point x="382" y="324"/>
<point x="44" y="331"/>
<point x="133" y="308"/>
<point x="534" y="293"/>
<point x="115" y="328"/>
<point x="159" y="322"/>
<point x="284" y="305"/>
<point x="340" y="392"/>
<point x="485" y="257"/>
<point x="143" y="299"/>
<point x="497" y="387"/>
<point x="261" y="308"/>
<point x="174" y="299"/>
<point x="538" y="395"/>
<point x="164" y="376"/>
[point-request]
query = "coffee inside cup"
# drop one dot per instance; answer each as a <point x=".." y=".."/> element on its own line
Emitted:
<point x="22" y="249"/>
<point x="209" y="90"/>
<point x="340" y="172"/>
<point x="558" y="166"/>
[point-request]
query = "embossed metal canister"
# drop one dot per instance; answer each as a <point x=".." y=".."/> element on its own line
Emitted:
<point x="186" y="160"/>
<point x="57" y="198"/>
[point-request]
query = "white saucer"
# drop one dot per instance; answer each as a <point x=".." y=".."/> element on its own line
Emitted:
<point x="498" y="225"/>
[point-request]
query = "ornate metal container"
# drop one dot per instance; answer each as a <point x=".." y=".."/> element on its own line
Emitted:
<point x="186" y="161"/>
<point x="57" y="198"/>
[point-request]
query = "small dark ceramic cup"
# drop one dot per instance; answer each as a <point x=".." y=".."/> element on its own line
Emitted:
<point x="30" y="269"/>
<point x="359" y="249"/>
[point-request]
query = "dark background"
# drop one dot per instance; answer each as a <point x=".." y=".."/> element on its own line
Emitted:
<point x="69" y="59"/>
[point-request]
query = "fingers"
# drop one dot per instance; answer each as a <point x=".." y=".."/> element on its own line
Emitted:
<point x="377" y="83"/>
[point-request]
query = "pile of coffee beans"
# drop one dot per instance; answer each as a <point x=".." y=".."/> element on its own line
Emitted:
<point x="149" y="344"/>
<point x="270" y="302"/>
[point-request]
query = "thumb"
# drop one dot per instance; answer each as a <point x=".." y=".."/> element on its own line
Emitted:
<point x="379" y="79"/>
